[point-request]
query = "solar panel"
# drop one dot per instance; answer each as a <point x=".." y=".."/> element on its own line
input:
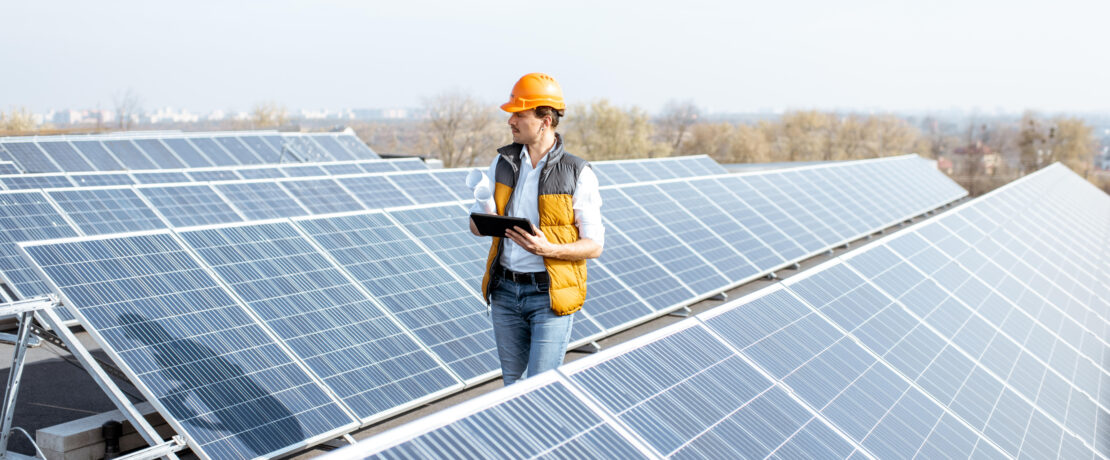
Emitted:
<point x="98" y="211"/>
<point x="66" y="157"/>
<point x="4" y="155"/>
<point x="35" y="181"/>
<point x="261" y="200"/>
<point x="407" y="164"/>
<point x="7" y="167"/>
<point x="690" y="229"/>
<point x="97" y="179"/>
<point x="624" y="216"/>
<point x="340" y="169"/>
<point x="801" y="240"/>
<point x="707" y="165"/>
<point x="375" y="191"/>
<point x="212" y="150"/>
<point x="642" y="274"/>
<point x="505" y="425"/>
<point x="213" y="175"/>
<point x="129" y="155"/>
<point x="638" y="172"/>
<point x="160" y="154"/>
<point x="27" y="216"/>
<point x="267" y="152"/>
<point x="30" y="157"/>
<point x="455" y="180"/>
<point x="238" y="150"/>
<point x="322" y="196"/>
<point x="306" y="150"/>
<point x="422" y="187"/>
<point x="443" y="314"/>
<point x="188" y="205"/>
<point x="444" y="230"/>
<point x="161" y="177"/>
<point x="355" y="145"/>
<point x="609" y="303"/>
<point x="260" y="173"/>
<point x="823" y="208"/>
<point x="303" y="171"/>
<point x="381" y="166"/>
<point x="334" y="148"/>
<point x="859" y="211"/>
<point x="677" y="166"/>
<point x="189" y="154"/>
<point x="358" y="351"/>
<point x="98" y="156"/>
<point x="276" y="143"/>
<point x="614" y="172"/>
<point x="210" y="368"/>
<point x="809" y="230"/>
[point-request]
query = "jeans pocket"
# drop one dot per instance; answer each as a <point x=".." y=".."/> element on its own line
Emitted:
<point x="543" y="287"/>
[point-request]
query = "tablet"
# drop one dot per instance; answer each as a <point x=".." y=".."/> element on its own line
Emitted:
<point x="494" y="225"/>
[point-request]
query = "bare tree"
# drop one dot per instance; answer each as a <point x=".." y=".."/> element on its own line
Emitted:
<point x="603" y="131"/>
<point x="128" y="106"/>
<point x="460" y="130"/>
<point x="18" y="120"/>
<point x="676" y="120"/>
<point x="269" y="114"/>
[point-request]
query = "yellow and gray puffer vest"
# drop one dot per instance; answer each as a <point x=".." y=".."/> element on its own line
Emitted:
<point x="556" y="190"/>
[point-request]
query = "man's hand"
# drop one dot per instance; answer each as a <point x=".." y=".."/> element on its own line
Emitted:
<point x="536" y="244"/>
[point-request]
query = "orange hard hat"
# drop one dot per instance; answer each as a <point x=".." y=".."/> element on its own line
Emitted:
<point x="535" y="90"/>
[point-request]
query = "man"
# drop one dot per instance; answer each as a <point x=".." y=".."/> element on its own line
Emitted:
<point x="535" y="283"/>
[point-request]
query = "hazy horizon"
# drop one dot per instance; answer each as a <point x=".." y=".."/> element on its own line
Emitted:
<point x="728" y="58"/>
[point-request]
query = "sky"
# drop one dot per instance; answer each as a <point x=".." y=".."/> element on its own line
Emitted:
<point x="727" y="57"/>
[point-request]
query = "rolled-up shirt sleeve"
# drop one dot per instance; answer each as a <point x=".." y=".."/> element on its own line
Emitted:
<point x="587" y="207"/>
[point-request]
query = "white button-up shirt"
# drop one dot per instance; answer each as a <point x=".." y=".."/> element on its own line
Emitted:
<point x="586" y="203"/>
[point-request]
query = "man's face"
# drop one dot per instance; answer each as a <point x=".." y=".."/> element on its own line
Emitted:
<point x="525" y="126"/>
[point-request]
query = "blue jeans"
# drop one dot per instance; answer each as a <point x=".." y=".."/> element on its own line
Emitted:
<point x="530" y="337"/>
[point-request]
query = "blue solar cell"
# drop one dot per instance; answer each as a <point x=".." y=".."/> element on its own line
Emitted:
<point x="267" y="152"/>
<point x="624" y="215"/>
<point x="341" y="169"/>
<point x="322" y="196"/>
<point x="99" y="156"/>
<point x="216" y="154"/>
<point x="160" y="154"/>
<point x="189" y="205"/>
<point x="351" y="344"/>
<point x="443" y="229"/>
<point x="661" y="168"/>
<point x="160" y="177"/>
<point x="690" y="230"/>
<point x="602" y="178"/>
<point x="305" y="149"/>
<point x="381" y="166"/>
<point x="260" y="173"/>
<point x="609" y="303"/>
<point x="357" y="148"/>
<point x="27" y="216"/>
<point x="758" y="221"/>
<point x="66" y="157"/>
<point x="442" y="313"/>
<point x="129" y="155"/>
<point x="767" y="211"/>
<point x="856" y="184"/>
<point x="707" y="165"/>
<point x="639" y="171"/>
<point x="213" y="175"/>
<point x="261" y="200"/>
<point x="422" y="187"/>
<point x="375" y="191"/>
<point x="96" y="179"/>
<point x="98" y="211"/>
<point x="30" y="157"/>
<point x="407" y="164"/>
<point x="614" y="172"/>
<point x="4" y="155"/>
<point x="676" y="167"/>
<point x="8" y="167"/>
<point x="827" y="210"/>
<point x="455" y="180"/>
<point x="188" y="153"/>
<point x="33" y="181"/>
<point x="333" y="147"/>
<point x="808" y="230"/>
<point x="642" y="274"/>
<point x="238" y="150"/>
<point x="276" y="143"/>
<point x="198" y="355"/>
<point x="303" y="171"/>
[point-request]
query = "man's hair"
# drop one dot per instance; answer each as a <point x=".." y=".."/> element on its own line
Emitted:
<point x="546" y="111"/>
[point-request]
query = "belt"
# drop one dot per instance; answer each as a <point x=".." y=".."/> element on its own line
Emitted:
<point x="520" y="277"/>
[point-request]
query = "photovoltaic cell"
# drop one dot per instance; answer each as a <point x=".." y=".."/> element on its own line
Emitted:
<point x="276" y="142"/>
<point x="27" y="216"/>
<point x="98" y="156"/>
<point x="341" y="169"/>
<point x="422" y="187"/>
<point x="260" y="173"/>
<point x="322" y="196"/>
<point x="212" y="150"/>
<point x="305" y="149"/>
<point x="337" y="151"/>
<point x="643" y="275"/>
<point x="213" y="175"/>
<point x="267" y="152"/>
<point x="129" y="155"/>
<point x="375" y="191"/>
<point x="7" y="167"/>
<point x="444" y="231"/>
<point x="192" y="157"/>
<point x="381" y="166"/>
<point x="444" y="315"/>
<point x="206" y="364"/>
<point x="614" y="172"/>
<point x="354" y="347"/>
<point x="160" y="154"/>
<point x="189" y="205"/>
<point x="30" y="157"/>
<point x="408" y="164"/>
<point x="261" y="200"/>
<point x="66" y="157"/>
<point x="303" y="171"/>
<point x="160" y="177"/>
<point x="455" y="180"/>
<point x="238" y="150"/>
<point x="807" y="229"/>
<point x="763" y="218"/>
<point x="106" y="210"/>
<point x="35" y="181"/>
<point x="98" y="179"/>
<point x="357" y="148"/>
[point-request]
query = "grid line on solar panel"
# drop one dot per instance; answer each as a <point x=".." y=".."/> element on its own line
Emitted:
<point x="128" y="154"/>
<point x="837" y="183"/>
<point x="36" y="181"/>
<point x="31" y="158"/>
<point x="261" y="173"/>
<point x="761" y="220"/>
<point x="421" y="293"/>
<point x="160" y="177"/>
<point x="321" y="196"/>
<point x="806" y="228"/>
<point x="643" y="274"/>
<point x="101" y="210"/>
<point x="65" y="156"/>
<point x="455" y="181"/>
<point x="305" y="170"/>
<point x="824" y="206"/>
<point x="355" y="145"/>
<point x="336" y="150"/>
<point x="188" y="205"/>
<point x="100" y="178"/>
<point x="440" y="229"/>
<point x="992" y="369"/>
<point x="375" y="191"/>
<point x="377" y="166"/>
<point x="7" y="167"/>
<point x="27" y="216"/>
<point x="263" y="149"/>
<point x="212" y="150"/>
<point x="220" y="379"/>
<point x="372" y="363"/>
<point x="159" y="153"/>
<point x="213" y="175"/>
<point x="409" y="164"/>
<point x="98" y="156"/>
<point x="422" y="187"/>
<point x="187" y="152"/>
<point x="259" y="200"/>
<point x="243" y="154"/>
